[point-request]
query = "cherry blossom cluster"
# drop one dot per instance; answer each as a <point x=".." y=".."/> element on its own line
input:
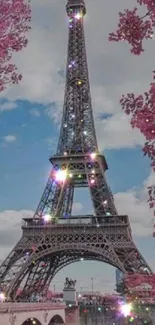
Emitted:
<point x="133" y="28"/>
<point x="142" y="109"/>
<point x="151" y="200"/>
<point x="15" y="16"/>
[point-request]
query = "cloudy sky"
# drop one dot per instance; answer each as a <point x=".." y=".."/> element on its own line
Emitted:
<point x="29" y="126"/>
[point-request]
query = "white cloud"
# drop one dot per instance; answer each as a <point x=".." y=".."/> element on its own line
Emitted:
<point x="41" y="82"/>
<point x="134" y="203"/>
<point x="10" y="231"/>
<point x="138" y="212"/>
<point x="150" y="180"/>
<point x="115" y="132"/>
<point x="109" y="64"/>
<point x="101" y="102"/>
<point x="35" y="112"/>
<point x="54" y="112"/>
<point x="10" y="218"/>
<point x="113" y="70"/>
<point x="8" y="106"/>
<point x="9" y="139"/>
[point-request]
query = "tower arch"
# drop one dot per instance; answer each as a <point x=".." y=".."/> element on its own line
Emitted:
<point x="78" y="251"/>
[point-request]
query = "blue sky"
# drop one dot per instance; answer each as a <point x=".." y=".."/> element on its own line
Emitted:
<point x="24" y="161"/>
<point x="29" y="128"/>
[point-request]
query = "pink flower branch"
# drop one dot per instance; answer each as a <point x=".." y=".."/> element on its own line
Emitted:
<point x="135" y="29"/>
<point x="15" y="17"/>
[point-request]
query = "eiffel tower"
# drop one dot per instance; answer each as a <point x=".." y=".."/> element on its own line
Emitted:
<point x="54" y="238"/>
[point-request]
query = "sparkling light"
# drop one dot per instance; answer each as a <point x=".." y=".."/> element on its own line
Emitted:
<point x="92" y="181"/>
<point x="126" y="309"/>
<point x="73" y="62"/>
<point x="78" y="16"/>
<point x="93" y="155"/>
<point x="60" y="175"/>
<point x="47" y="217"/>
<point x="2" y="297"/>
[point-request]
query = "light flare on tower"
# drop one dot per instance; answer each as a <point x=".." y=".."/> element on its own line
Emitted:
<point x="60" y="175"/>
<point x="2" y="297"/>
<point x="47" y="217"/>
<point x="93" y="155"/>
<point x="126" y="309"/>
<point x="78" y="15"/>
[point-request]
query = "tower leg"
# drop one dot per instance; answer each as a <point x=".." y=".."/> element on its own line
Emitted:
<point x="13" y="263"/>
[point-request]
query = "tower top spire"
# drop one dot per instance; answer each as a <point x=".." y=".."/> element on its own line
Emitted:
<point x="75" y="5"/>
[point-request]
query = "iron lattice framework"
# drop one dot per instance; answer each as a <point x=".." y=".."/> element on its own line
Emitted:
<point x="54" y="238"/>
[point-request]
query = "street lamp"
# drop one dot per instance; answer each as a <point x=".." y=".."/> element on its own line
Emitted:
<point x="92" y="284"/>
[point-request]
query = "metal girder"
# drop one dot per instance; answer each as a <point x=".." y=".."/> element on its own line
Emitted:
<point x="38" y="281"/>
<point x="61" y="244"/>
<point x="106" y="236"/>
<point x="14" y="261"/>
<point x="81" y="171"/>
<point x="77" y="132"/>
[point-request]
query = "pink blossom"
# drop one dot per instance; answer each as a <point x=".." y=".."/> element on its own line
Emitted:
<point x="133" y="28"/>
<point x="15" y="16"/>
<point x="142" y="110"/>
